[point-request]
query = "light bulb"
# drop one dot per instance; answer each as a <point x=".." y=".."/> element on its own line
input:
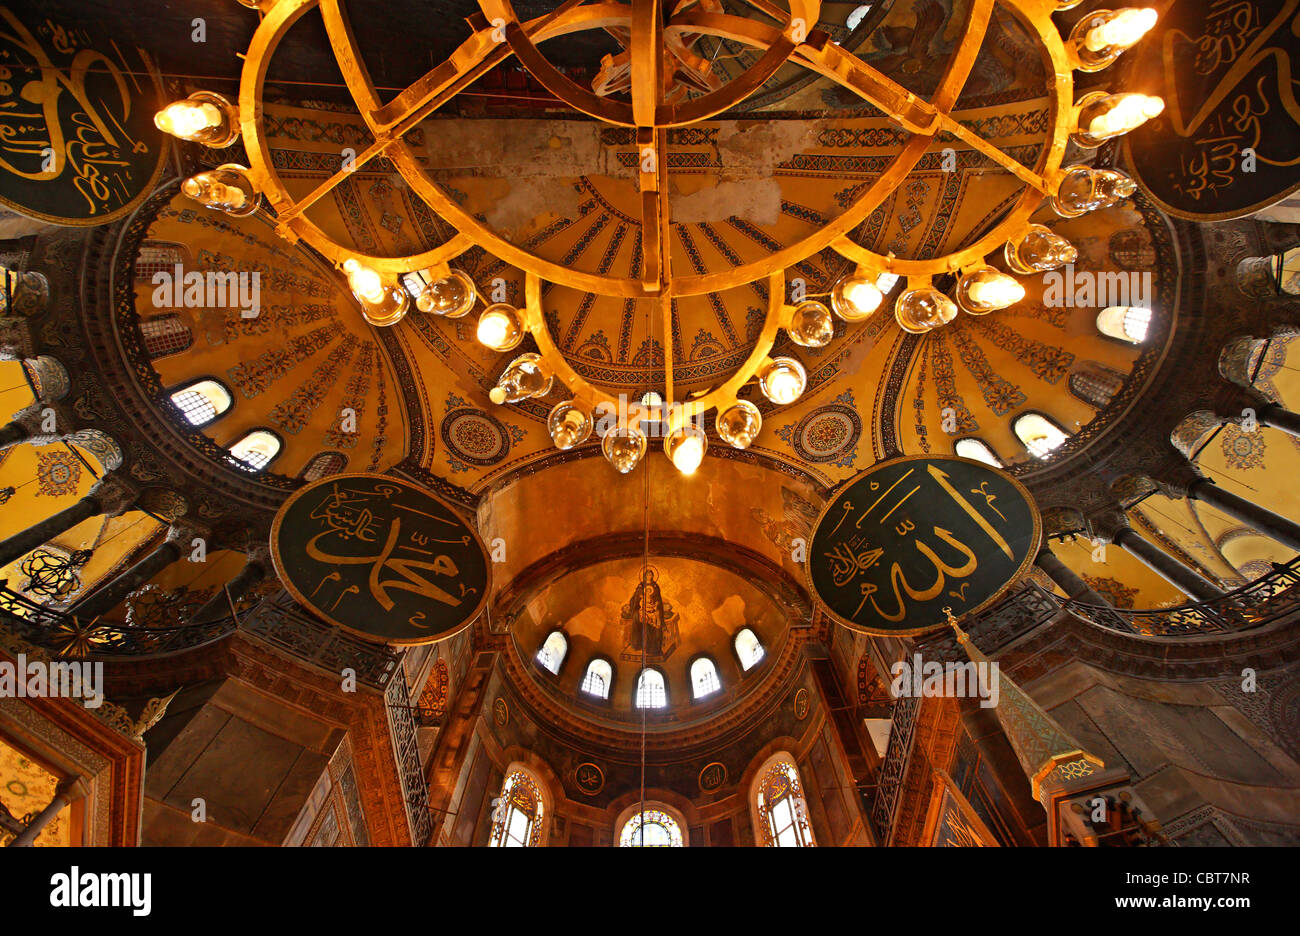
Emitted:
<point x="783" y="380"/>
<point x="811" y="325"/>
<point x="522" y="379"/>
<point x="1039" y="251"/>
<point x="1113" y="187"/>
<point x="500" y="328"/>
<point x="686" y="447"/>
<point x="203" y="117"/>
<point x="569" y="426"/>
<point x="364" y="281"/>
<point x="986" y="289"/>
<point x="1104" y="116"/>
<point x="451" y="296"/>
<point x="921" y="310"/>
<point x="739" y="424"/>
<point x="623" y="447"/>
<point x="1121" y="29"/>
<point x="855" y="298"/>
<point x="226" y="188"/>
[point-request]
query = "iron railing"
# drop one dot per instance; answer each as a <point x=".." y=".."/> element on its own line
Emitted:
<point x="406" y="750"/>
<point x="894" y="767"/>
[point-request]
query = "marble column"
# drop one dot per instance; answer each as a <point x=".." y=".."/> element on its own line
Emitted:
<point x="70" y="789"/>
<point x="253" y="572"/>
<point x="1072" y="584"/>
<point x="110" y="496"/>
<point x="1272" y="525"/>
<point x="110" y="594"/>
<point x="1182" y="577"/>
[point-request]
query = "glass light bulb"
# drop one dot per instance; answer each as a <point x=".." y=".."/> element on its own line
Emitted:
<point x="185" y="119"/>
<point x="523" y="378"/>
<point x="569" y="426"/>
<point x="1039" y="250"/>
<point x="1122" y="30"/>
<point x="452" y="296"/>
<point x="811" y="325"/>
<point x="1128" y="112"/>
<point x="364" y="281"/>
<point x="986" y="289"/>
<point x="623" y="447"/>
<point x="921" y="310"/>
<point x="686" y="448"/>
<point x="738" y="425"/>
<point x="783" y="380"/>
<point x="500" y="328"/>
<point x="855" y="298"/>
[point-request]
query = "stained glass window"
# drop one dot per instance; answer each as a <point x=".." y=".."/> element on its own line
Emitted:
<point x="748" y="648"/>
<point x="552" y="651"/>
<point x="517" y="818"/>
<point x="202" y="401"/>
<point x="704" y="677"/>
<point x="782" y="807"/>
<point x="597" y="679"/>
<point x="652" y="828"/>
<point x="650" y="690"/>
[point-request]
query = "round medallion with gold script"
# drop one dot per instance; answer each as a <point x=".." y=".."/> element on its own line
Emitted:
<point x="801" y="704"/>
<point x="380" y="557"/>
<point x="79" y="145"/>
<point x="712" y="777"/>
<point x="913" y="535"/>
<point x="589" y="778"/>
<point x="500" y="712"/>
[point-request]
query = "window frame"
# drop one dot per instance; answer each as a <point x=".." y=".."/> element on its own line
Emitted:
<point x="690" y="677"/>
<point x="243" y="466"/>
<point x="586" y="696"/>
<point x="189" y="385"/>
<point x="636" y="691"/>
<point x="302" y="475"/>
<point x="978" y="441"/>
<point x="1032" y="454"/>
<point x="757" y="664"/>
<point x="564" y="657"/>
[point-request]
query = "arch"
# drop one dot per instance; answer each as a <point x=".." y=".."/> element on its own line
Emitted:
<point x="705" y="680"/>
<point x="749" y="649"/>
<point x="550" y="655"/>
<point x="656" y="825"/>
<point x="977" y="450"/>
<point x="202" y="401"/>
<point x="1125" y="323"/>
<point x="520" y="811"/>
<point x="256" y="449"/>
<point x="651" y="689"/>
<point x="323" y="465"/>
<point x="165" y="335"/>
<point x="598" y="679"/>
<point x="1041" y="434"/>
<point x="780" y="809"/>
<point x="1095" y="384"/>
<point x="156" y="256"/>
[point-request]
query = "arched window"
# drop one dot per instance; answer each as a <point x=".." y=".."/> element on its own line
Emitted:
<point x="256" y="450"/>
<point x="324" y="465"/>
<point x="1127" y="323"/>
<point x="517" y="818"/>
<point x="164" y="335"/>
<point x="978" y="450"/>
<point x="782" y="808"/>
<point x="1094" y="384"/>
<point x="1040" y="435"/>
<point x="748" y="649"/>
<point x="650" y="828"/>
<point x="159" y="257"/>
<point x="202" y="401"/>
<point x="551" y="653"/>
<point x="596" y="681"/>
<point x="704" y="678"/>
<point x="650" y="690"/>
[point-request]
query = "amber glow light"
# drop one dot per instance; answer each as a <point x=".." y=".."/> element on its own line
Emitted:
<point x="1123" y="31"/>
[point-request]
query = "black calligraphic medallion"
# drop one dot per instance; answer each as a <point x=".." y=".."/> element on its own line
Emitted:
<point x="380" y="557"/>
<point x="78" y="144"/>
<point x="1228" y="142"/>
<point x="913" y="535"/>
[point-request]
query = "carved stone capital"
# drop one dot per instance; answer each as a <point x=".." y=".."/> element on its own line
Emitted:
<point x="114" y="494"/>
<point x="1236" y="357"/>
<point x="1175" y="480"/>
<point x="29" y="294"/>
<point x="164" y="503"/>
<point x="16" y="339"/>
<point x="1194" y="427"/>
<point x="48" y="377"/>
<point x="259" y="554"/>
<point x="45" y="422"/>
<point x="1105" y="524"/>
<point x="183" y="534"/>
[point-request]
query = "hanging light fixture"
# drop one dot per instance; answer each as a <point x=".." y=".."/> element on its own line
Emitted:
<point x="623" y="447"/>
<point x="227" y="188"/>
<point x="685" y="448"/>
<point x="811" y="324"/>
<point x="525" y="377"/>
<point x="783" y="380"/>
<point x="1105" y="116"/>
<point x="568" y="425"/>
<point x="382" y="305"/>
<point x="1099" y="38"/>
<point x="856" y="298"/>
<point x="451" y="295"/>
<point x="739" y="424"/>
<point x="204" y="117"/>
<point x="1039" y="250"/>
<point x="984" y="290"/>
<point x="923" y="309"/>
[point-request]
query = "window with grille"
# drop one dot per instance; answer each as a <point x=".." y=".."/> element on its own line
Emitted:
<point x="156" y="256"/>
<point x="324" y="465"/>
<point x="202" y="401"/>
<point x="256" y="450"/>
<point x="597" y="679"/>
<point x="704" y="678"/>
<point x="650" y="690"/>
<point x="165" y="334"/>
<point x="748" y="648"/>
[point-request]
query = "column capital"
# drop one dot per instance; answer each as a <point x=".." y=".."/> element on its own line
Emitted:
<point x="1106" y="524"/>
<point x="1231" y="401"/>
<point x="44" y="421"/>
<point x="1177" y="480"/>
<point x="114" y="494"/>
<point x="182" y="533"/>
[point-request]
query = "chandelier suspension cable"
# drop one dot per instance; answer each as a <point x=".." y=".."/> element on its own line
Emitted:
<point x="645" y="567"/>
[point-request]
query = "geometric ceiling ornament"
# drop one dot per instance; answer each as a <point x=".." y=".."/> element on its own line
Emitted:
<point x="914" y="535"/>
<point x="380" y="557"/>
